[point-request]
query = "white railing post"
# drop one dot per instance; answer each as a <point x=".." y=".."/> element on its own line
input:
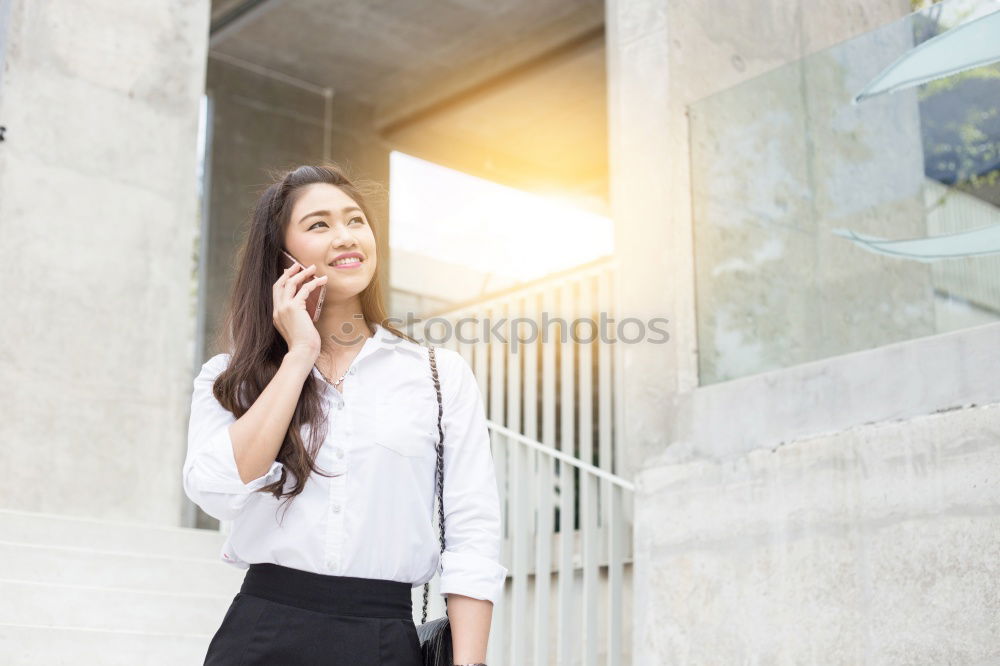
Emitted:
<point x="588" y="482"/>
<point x="568" y="637"/>
<point x="544" y="485"/>
<point x="520" y="518"/>
<point x="505" y="623"/>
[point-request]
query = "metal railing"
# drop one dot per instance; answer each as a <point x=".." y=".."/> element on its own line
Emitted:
<point x="567" y="515"/>
<point x="588" y="619"/>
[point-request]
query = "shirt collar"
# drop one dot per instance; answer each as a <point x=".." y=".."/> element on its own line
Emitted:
<point x="382" y="339"/>
<point x="386" y="339"/>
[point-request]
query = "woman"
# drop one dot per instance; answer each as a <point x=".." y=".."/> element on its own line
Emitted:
<point x="317" y="439"/>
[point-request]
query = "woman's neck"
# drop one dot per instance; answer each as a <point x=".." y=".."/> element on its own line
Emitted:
<point x="342" y="328"/>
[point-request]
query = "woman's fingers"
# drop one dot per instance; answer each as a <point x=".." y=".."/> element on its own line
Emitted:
<point x="283" y="290"/>
<point x="296" y="278"/>
<point x="279" y="285"/>
<point x="309" y="286"/>
<point x="300" y="275"/>
<point x="293" y="281"/>
<point x="290" y="313"/>
<point x="285" y="274"/>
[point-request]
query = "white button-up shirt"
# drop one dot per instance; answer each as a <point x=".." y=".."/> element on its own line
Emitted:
<point x="373" y="519"/>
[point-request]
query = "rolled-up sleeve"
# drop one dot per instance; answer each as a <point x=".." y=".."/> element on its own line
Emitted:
<point x="470" y="564"/>
<point x="210" y="476"/>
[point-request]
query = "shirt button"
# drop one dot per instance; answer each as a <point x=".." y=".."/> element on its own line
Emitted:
<point x="340" y="405"/>
<point x="336" y="508"/>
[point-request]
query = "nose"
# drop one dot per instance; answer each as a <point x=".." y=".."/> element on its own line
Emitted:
<point x="343" y="236"/>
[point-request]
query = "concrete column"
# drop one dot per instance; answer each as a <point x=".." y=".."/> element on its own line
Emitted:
<point x="652" y="250"/>
<point x="652" y="245"/>
<point x="98" y="215"/>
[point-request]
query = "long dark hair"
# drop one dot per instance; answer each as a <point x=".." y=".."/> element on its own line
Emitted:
<point x="255" y="346"/>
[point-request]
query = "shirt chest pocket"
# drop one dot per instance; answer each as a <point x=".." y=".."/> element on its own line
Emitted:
<point x="407" y="427"/>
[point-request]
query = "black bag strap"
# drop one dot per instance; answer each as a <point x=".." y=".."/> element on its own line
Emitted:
<point x="439" y="475"/>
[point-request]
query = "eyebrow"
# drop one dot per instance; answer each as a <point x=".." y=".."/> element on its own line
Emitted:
<point x="347" y="209"/>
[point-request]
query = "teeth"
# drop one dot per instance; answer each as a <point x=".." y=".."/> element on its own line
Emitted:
<point x="349" y="260"/>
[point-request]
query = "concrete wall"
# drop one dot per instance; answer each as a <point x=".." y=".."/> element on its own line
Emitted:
<point x="841" y="511"/>
<point x="873" y="545"/>
<point x="98" y="217"/>
<point x="258" y="123"/>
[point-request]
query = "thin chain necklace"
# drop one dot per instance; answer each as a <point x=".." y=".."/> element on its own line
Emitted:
<point x="338" y="382"/>
<point x="341" y="379"/>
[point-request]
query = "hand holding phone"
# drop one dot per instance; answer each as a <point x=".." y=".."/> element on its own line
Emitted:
<point x="314" y="301"/>
<point x="289" y="294"/>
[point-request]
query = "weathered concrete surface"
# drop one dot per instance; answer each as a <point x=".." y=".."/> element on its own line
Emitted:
<point x="98" y="214"/>
<point x="874" y="545"/>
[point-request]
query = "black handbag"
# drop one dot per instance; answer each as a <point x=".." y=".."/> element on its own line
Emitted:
<point x="435" y="636"/>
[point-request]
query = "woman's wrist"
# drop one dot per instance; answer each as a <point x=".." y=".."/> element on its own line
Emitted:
<point x="303" y="355"/>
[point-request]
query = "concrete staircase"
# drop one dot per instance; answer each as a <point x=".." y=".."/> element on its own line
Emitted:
<point x="79" y="591"/>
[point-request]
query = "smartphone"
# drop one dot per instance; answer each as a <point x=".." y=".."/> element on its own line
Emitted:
<point x="314" y="302"/>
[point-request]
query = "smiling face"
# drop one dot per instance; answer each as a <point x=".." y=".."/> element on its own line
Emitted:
<point x="325" y="225"/>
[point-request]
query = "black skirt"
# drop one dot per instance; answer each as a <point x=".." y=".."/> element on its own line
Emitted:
<point x="288" y="616"/>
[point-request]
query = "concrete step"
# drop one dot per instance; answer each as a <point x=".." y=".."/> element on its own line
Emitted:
<point x="84" y="591"/>
<point x="54" y="530"/>
<point x="63" y="565"/>
<point x="110" y="609"/>
<point x="24" y="645"/>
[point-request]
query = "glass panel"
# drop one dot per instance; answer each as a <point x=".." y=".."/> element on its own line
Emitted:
<point x="799" y="194"/>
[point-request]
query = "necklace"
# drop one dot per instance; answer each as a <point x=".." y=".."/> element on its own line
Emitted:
<point x="341" y="379"/>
